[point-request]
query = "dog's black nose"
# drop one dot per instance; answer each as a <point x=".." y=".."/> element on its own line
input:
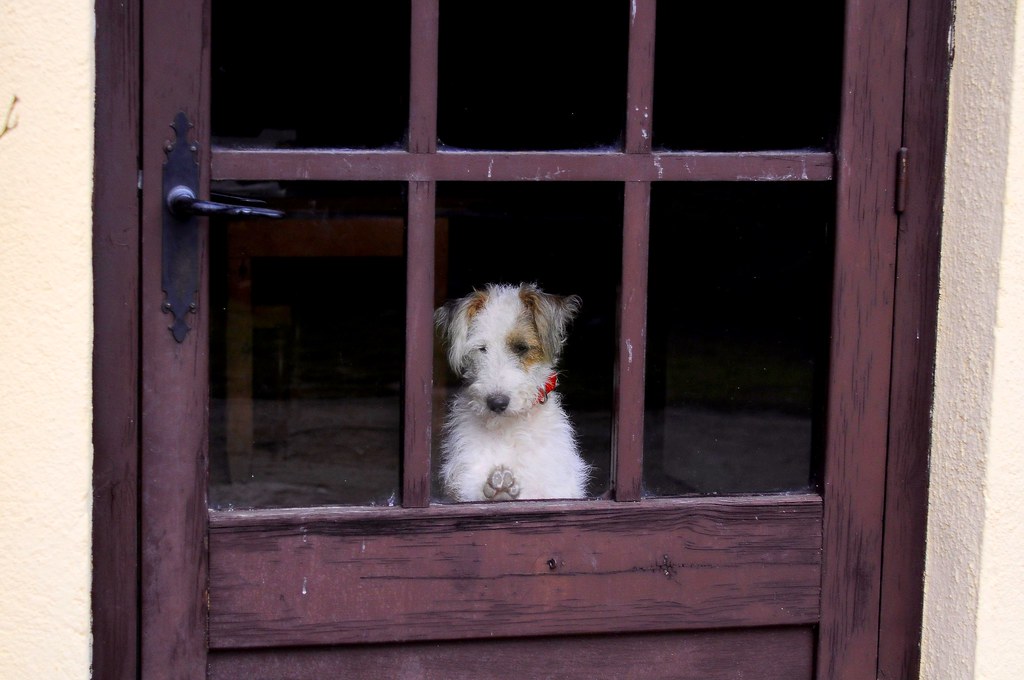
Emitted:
<point x="498" y="402"/>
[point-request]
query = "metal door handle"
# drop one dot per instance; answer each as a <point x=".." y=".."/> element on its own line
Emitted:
<point x="182" y="207"/>
<point x="183" y="203"/>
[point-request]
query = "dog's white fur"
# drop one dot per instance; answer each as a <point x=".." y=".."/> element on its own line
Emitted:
<point x="502" y="425"/>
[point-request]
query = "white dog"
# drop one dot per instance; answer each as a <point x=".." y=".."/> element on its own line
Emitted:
<point x="506" y="435"/>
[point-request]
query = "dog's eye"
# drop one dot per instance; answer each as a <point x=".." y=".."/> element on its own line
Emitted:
<point x="482" y="349"/>
<point x="520" y="348"/>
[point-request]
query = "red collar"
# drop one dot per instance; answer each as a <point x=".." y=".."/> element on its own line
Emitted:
<point x="549" y="387"/>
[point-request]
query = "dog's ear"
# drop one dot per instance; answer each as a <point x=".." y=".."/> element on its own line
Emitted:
<point x="453" y="319"/>
<point x="551" y="315"/>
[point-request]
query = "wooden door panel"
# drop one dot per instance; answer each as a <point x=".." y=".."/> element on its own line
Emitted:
<point x="363" y="575"/>
<point x="288" y="579"/>
<point x="784" y="653"/>
<point x="166" y="453"/>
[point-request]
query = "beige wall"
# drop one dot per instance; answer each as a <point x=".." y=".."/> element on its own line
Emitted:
<point x="974" y="600"/>
<point x="46" y="61"/>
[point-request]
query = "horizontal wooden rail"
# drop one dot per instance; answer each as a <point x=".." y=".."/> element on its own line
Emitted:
<point x="589" y="166"/>
<point x="780" y="653"/>
<point x="352" y="575"/>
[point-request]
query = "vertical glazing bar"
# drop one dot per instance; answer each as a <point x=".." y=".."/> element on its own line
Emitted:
<point x="640" y="76"/>
<point x="423" y="77"/>
<point x="419" y="329"/>
<point x="419" y="336"/>
<point x="628" y="438"/>
<point x="629" y="392"/>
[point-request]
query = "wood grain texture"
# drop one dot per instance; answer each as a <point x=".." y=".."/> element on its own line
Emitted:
<point x="640" y="76"/>
<point x="855" y="575"/>
<point x="372" y="575"/>
<point x="766" y="654"/>
<point x="628" y="435"/>
<point x="423" y="76"/>
<point x="174" y="416"/>
<point x="419" y="345"/>
<point x="115" y="245"/>
<point x="862" y="317"/>
<point x="526" y="166"/>
<point x="916" y="303"/>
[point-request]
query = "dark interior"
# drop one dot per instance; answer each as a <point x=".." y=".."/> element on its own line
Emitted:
<point x="739" y="272"/>
<point x="337" y="75"/>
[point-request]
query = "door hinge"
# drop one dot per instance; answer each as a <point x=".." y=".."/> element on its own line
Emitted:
<point x="901" y="180"/>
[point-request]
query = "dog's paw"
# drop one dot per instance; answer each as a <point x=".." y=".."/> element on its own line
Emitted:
<point x="501" y="485"/>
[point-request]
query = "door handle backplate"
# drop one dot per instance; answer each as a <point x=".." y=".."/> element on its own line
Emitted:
<point x="180" y="257"/>
<point x="181" y="210"/>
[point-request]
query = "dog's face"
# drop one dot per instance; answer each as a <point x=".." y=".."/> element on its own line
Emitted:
<point x="504" y="342"/>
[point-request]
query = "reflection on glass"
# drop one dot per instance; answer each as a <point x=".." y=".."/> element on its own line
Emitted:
<point x="566" y="238"/>
<point x="739" y="289"/>
<point x="306" y="348"/>
<point x="747" y="77"/>
<point x="312" y="74"/>
<point x="532" y="75"/>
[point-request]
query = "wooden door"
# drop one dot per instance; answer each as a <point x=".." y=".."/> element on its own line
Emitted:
<point x="717" y="185"/>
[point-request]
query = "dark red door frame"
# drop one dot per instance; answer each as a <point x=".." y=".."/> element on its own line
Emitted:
<point x="925" y="98"/>
<point x="117" y="385"/>
<point x="115" y="597"/>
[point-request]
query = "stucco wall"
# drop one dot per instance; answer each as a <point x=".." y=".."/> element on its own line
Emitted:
<point x="46" y="61"/>
<point x="973" y="597"/>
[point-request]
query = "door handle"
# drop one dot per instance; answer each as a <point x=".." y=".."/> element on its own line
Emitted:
<point x="181" y="210"/>
<point x="183" y="203"/>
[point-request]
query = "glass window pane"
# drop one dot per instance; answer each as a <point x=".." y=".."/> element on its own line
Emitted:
<point x="739" y="294"/>
<point x="754" y="76"/>
<point x="566" y="238"/>
<point x="306" y="348"/>
<point x="532" y="75"/>
<point x="332" y="74"/>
